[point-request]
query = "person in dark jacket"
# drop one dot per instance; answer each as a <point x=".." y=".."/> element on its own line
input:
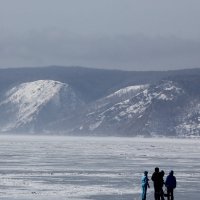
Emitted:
<point x="145" y="184"/>
<point x="156" y="183"/>
<point x="162" y="173"/>
<point x="170" y="184"/>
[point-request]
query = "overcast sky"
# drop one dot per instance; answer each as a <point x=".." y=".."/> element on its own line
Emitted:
<point x="120" y="34"/>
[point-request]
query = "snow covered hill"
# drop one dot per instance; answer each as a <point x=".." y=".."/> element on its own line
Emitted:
<point x="34" y="105"/>
<point x="151" y="110"/>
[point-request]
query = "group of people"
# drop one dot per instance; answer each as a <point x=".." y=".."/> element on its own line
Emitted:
<point x="158" y="183"/>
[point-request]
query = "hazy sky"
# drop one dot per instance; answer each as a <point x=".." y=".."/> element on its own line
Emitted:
<point x="120" y="34"/>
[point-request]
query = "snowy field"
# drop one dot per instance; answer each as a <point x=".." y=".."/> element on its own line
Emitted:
<point x="49" y="168"/>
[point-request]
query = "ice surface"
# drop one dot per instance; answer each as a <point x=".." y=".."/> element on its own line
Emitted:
<point x="47" y="168"/>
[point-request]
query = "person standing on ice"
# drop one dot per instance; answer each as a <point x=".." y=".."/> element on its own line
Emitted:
<point x="145" y="184"/>
<point x="156" y="183"/>
<point x="162" y="173"/>
<point x="170" y="184"/>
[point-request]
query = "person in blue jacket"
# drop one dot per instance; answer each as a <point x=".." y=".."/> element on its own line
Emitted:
<point x="170" y="184"/>
<point x="145" y="184"/>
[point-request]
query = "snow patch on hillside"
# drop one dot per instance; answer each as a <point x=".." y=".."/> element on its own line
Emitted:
<point x="127" y="90"/>
<point x="120" y="95"/>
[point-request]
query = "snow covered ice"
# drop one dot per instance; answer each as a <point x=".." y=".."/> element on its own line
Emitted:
<point x="77" y="168"/>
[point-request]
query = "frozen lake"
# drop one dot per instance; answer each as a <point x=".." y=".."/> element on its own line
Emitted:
<point x="49" y="168"/>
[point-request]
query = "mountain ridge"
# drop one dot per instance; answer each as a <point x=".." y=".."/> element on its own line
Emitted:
<point x="100" y="102"/>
